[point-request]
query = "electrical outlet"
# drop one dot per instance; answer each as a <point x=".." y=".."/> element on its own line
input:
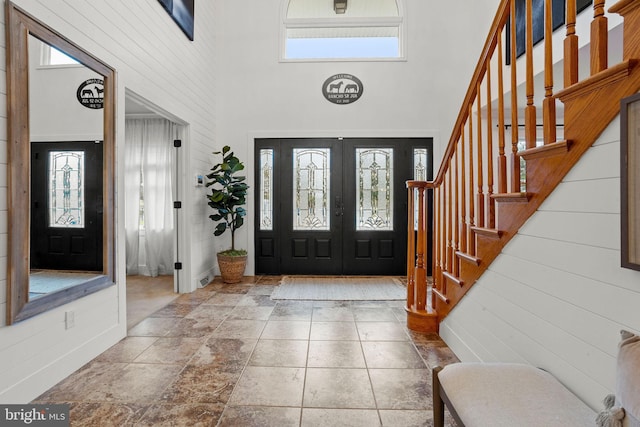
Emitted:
<point x="69" y="319"/>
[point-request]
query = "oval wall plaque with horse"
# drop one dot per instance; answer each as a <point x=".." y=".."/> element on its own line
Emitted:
<point x="91" y="93"/>
<point x="342" y="89"/>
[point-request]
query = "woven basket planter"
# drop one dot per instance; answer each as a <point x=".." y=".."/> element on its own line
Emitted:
<point x="232" y="267"/>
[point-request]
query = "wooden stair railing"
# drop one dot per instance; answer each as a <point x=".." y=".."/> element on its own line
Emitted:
<point x="471" y="222"/>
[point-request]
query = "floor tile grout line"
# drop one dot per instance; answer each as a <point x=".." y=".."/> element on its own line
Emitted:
<point x="306" y="370"/>
<point x="366" y="364"/>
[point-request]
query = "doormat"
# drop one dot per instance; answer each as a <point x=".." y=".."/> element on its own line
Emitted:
<point x="340" y="289"/>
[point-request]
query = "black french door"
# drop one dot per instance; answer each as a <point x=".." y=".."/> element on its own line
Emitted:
<point x="335" y="206"/>
<point x="66" y="206"/>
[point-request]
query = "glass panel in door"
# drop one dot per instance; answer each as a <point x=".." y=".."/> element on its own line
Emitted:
<point x="374" y="192"/>
<point x="66" y="189"/>
<point x="312" y="189"/>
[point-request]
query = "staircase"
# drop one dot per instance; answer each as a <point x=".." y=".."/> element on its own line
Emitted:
<point x="486" y="189"/>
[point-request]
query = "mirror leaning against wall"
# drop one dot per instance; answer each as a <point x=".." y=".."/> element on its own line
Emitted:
<point x="60" y="140"/>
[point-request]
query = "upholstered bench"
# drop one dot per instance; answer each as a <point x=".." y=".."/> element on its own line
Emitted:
<point x="505" y="394"/>
<point x="509" y="394"/>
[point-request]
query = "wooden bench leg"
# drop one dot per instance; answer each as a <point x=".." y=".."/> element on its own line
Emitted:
<point x="438" y="403"/>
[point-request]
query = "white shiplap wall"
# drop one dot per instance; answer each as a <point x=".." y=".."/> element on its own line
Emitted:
<point x="556" y="297"/>
<point x="157" y="62"/>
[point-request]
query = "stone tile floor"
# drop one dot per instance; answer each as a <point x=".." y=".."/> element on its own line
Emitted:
<point x="228" y="355"/>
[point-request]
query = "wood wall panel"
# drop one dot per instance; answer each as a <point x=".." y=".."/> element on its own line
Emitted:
<point x="547" y="320"/>
<point x="597" y="303"/>
<point x="602" y="265"/>
<point x="557" y="360"/>
<point x="600" y="230"/>
<point x="585" y="196"/>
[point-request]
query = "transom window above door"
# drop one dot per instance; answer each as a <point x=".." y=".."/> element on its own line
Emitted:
<point x="338" y="30"/>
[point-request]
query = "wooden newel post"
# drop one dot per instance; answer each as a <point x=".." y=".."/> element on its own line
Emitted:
<point x="420" y="316"/>
<point x="416" y="246"/>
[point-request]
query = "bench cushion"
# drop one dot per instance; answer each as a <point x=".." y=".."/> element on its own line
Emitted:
<point x="628" y="378"/>
<point x="508" y="394"/>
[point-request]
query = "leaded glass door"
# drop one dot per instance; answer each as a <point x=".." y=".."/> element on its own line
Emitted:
<point x="66" y="206"/>
<point x="310" y="215"/>
<point x="335" y="206"/>
<point x="375" y="207"/>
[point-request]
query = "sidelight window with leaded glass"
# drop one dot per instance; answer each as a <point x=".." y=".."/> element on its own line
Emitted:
<point x="266" y="189"/>
<point x="374" y="192"/>
<point x="420" y="164"/>
<point x="311" y="188"/>
<point x="66" y="189"/>
<point x="420" y="161"/>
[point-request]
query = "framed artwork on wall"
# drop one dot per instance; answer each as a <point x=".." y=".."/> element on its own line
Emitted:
<point x="182" y="12"/>
<point x="558" y="12"/>
<point x="630" y="181"/>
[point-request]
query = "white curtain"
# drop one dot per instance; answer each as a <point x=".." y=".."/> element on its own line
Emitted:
<point x="148" y="170"/>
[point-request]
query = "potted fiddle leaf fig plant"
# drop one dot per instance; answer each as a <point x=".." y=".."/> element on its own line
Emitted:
<point x="228" y="196"/>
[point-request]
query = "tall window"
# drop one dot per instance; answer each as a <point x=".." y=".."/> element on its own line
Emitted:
<point x="266" y="189"/>
<point x="365" y="30"/>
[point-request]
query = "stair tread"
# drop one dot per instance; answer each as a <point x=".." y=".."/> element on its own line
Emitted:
<point x="521" y="197"/>
<point x="547" y="150"/>
<point x="488" y="232"/>
<point x="468" y="257"/>
<point x="597" y="81"/>
<point x="453" y="278"/>
<point x="442" y="296"/>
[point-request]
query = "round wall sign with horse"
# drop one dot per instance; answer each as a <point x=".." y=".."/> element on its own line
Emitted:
<point x="342" y="89"/>
<point x="91" y="93"/>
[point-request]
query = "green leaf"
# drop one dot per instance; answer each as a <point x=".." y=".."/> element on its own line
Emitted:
<point x="237" y="167"/>
<point x="216" y="196"/>
<point x="238" y="222"/>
